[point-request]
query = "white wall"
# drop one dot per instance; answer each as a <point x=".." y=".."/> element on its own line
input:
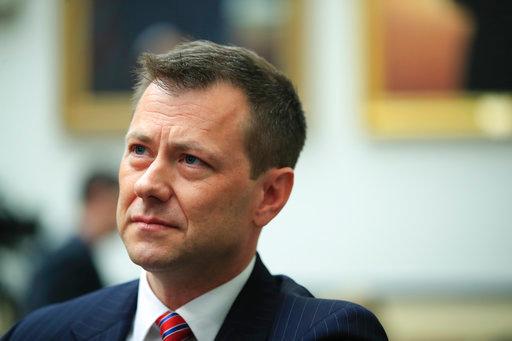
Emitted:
<point x="377" y="215"/>
<point x="43" y="165"/>
<point x="364" y="214"/>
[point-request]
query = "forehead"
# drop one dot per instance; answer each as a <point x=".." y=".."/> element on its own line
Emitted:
<point x="219" y="107"/>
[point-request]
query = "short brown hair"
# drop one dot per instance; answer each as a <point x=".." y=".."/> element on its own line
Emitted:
<point x="277" y="129"/>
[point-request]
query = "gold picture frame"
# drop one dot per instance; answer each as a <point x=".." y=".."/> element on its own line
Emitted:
<point x="87" y="111"/>
<point x="459" y="114"/>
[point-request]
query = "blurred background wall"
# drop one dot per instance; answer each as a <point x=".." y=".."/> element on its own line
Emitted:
<point x="370" y="219"/>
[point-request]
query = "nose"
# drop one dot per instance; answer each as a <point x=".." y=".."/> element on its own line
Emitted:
<point x="155" y="182"/>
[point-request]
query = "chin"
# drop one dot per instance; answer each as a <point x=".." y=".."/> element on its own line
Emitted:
<point x="152" y="259"/>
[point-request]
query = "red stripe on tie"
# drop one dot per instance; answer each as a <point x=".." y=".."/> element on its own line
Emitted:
<point x="173" y="327"/>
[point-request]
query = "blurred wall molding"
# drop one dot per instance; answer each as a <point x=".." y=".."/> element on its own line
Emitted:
<point x="444" y="318"/>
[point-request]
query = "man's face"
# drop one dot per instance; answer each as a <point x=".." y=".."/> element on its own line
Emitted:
<point x="186" y="198"/>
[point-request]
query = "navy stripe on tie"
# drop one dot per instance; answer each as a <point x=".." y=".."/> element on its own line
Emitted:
<point x="174" y="330"/>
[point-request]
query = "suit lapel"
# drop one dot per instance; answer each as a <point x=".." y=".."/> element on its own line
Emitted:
<point x="250" y="317"/>
<point x="252" y="313"/>
<point x="111" y="318"/>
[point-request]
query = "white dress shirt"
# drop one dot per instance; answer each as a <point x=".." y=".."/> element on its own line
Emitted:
<point x="204" y="314"/>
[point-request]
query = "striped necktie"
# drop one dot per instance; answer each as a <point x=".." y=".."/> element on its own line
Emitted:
<point x="173" y="327"/>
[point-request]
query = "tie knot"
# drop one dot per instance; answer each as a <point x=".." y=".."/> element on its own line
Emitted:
<point x="173" y="327"/>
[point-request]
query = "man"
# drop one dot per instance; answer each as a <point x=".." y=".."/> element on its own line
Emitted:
<point x="208" y="163"/>
<point x="70" y="271"/>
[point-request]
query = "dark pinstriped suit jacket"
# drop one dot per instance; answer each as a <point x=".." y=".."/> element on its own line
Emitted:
<point x="268" y="308"/>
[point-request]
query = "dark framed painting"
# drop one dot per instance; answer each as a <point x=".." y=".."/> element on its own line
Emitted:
<point x="439" y="68"/>
<point x="102" y="40"/>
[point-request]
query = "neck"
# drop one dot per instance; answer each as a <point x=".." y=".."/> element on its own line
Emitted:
<point x="175" y="289"/>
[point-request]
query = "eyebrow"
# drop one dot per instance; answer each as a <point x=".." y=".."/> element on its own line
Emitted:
<point x="137" y="136"/>
<point x="192" y="145"/>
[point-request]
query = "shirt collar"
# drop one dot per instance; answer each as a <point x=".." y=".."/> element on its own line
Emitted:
<point x="204" y="314"/>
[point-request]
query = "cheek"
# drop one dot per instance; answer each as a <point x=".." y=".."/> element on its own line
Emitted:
<point x="217" y="206"/>
<point x="124" y="197"/>
<point x="126" y="192"/>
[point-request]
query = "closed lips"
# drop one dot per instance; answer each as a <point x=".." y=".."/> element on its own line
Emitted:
<point x="153" y="221"/>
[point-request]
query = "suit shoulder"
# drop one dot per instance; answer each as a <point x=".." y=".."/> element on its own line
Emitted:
<point x="345" y="320"/>
<point x="88" y="301"/>
<point x="53" y="321"/>
<point x="301" y="316"/>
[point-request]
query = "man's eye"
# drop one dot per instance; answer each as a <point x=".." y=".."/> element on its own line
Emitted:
<point x="138" y="149"/>
<point x="191" y="160"/>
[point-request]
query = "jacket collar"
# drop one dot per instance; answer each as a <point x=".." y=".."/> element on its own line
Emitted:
<point x="252" y="313"/>
<point x="250" y="317"/>
<point x="111" y="317"/>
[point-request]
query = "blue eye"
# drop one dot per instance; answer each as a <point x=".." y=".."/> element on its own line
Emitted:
<point x="139" y="150"/>
<point x="191" y="159"/>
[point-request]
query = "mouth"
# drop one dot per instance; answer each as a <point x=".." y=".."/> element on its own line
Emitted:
<point x="148" y="223"/>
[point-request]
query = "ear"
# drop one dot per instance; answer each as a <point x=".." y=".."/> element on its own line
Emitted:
<point x="276" y="186"/>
